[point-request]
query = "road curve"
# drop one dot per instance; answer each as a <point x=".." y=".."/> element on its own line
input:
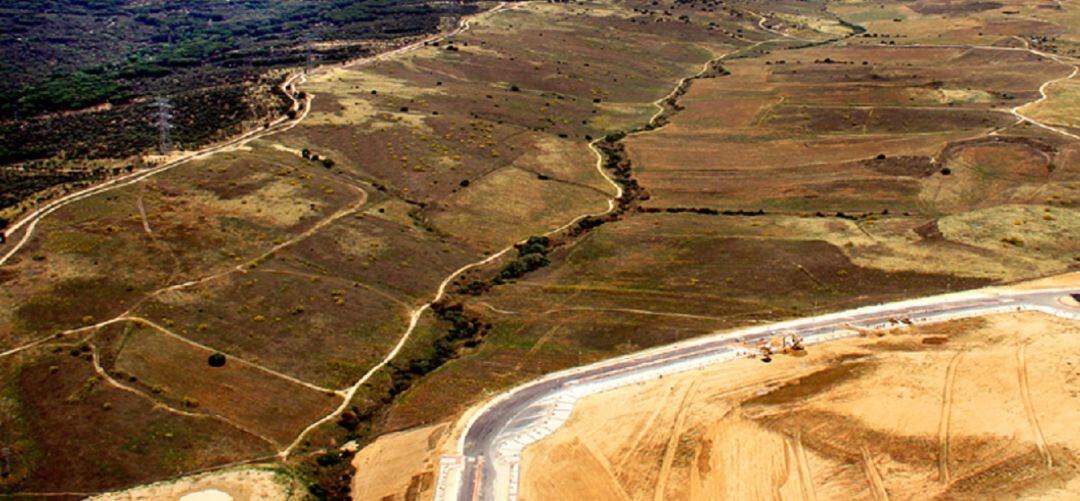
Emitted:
<point x="487" y="464"/>
<point x="28" y="223"/>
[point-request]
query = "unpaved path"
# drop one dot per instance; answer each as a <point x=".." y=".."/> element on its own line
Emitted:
<point x="945" y="420"/>
<point x="1029" y="409"/>
<point x="29" y="222"/>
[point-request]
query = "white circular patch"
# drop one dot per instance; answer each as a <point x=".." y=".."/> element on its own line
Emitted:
<point x="207" y="495"/>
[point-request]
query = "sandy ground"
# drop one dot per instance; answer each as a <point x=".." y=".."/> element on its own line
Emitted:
<point x="974" y="409"/>
<point x="234" y="485"/>
<point x="860" y="418"/>
<point x="399" y="466"/>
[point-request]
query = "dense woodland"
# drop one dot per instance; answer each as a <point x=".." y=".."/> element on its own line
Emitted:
<point x="79" y="77"/>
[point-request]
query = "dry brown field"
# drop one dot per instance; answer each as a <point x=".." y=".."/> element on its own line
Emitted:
<point x="305" y="274"/>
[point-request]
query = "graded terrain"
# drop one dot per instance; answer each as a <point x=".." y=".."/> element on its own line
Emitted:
<point x="960" y="410"/>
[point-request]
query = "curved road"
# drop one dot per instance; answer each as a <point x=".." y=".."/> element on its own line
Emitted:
<point x="487" y="466"/>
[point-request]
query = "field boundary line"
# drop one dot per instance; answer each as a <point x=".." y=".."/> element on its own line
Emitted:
<point x="272" y="372"/>
<point x="169" y="408"/>
<point x="253" y="262"/>
<point x="348" y="394"/>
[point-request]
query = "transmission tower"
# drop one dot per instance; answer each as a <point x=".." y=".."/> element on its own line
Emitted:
<point x="310" y="57"/>
<point x="164" y="125"/>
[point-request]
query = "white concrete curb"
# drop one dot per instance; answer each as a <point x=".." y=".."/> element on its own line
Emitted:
<point x="551" y="412"/>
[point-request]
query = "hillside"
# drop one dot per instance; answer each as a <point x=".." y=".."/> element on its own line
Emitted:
<point x="82" y="82"/>
<point x="537" y="186"/>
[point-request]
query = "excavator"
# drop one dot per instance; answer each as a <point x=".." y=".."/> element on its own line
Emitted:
<point x="786" y="343"/>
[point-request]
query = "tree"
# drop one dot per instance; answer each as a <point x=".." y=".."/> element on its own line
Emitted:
<point x="534" y="245"/>
<point x="306" y="153"/>
<point x="216" y="360"/>
<point x="328" y="163"/>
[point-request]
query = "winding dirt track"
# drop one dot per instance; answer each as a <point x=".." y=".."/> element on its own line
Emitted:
<point x="29" y="222"/>
<point x="25" y="227"/>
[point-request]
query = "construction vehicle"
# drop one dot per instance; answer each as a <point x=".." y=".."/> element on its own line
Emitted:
<point x="766" y="352"/>
<point x="792" y="343"/>
<point x="786" y="343"/>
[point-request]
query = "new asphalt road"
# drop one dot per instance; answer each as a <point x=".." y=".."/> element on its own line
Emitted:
<point x="488" y="471"/>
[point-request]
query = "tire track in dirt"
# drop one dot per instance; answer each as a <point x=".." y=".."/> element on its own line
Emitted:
<point x="806" y="479"/>
<point x="944" y="422"/>
<point x="1029" y="409"/>
<point x="639" y="435"/>
<point x="606" y="464"/>
<point x="673" y="444"/>
<point x="873" y="476"/>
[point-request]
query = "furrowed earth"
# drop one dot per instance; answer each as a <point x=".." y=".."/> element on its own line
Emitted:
<point x="693" y="166"/>
<point x="859" y="418"/>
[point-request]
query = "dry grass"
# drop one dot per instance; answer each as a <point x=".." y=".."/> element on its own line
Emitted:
<point x="259" y="401"/>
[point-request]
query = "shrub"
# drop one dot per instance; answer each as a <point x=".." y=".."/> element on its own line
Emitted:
<point x="349" y="420"/>
<point x="474" y="288"/>
<point x="1013" y="241"/>
<point x="523" y="265"/>
<point x="328" y="459"/>
<point x="216" y="360"/>
<point x="534" y="245"/>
